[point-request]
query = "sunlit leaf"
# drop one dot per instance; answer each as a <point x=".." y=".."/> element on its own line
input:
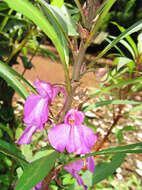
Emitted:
<point x="107" y="102"/>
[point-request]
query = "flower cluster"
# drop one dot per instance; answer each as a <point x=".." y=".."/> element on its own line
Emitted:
<point x="72" y="135"/>
<point x="36" y="109"/>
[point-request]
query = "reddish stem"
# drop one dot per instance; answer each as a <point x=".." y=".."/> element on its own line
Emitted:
<point x="115" y="121"/>
<point x="47" y="179"/>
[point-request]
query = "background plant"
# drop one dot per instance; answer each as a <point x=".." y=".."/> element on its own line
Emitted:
<point x="66" y="36"/>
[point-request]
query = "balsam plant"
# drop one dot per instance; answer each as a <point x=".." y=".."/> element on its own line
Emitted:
<point x="68" y="140"/>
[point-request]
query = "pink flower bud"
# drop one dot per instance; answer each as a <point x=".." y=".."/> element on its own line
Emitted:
<point x="100" y="73"/>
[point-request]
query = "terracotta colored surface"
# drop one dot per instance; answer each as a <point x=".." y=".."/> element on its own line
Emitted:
<point x="47" y="70"/>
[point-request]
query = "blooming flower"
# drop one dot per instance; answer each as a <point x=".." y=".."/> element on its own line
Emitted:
<point x="72" y="135"/>
<point x="75" y="168"/>
<point x="36" y="109"/>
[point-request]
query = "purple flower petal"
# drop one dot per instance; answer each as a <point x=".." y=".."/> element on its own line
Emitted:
<point x="36" y="111"/>
<point x="74" y="168"/>
<point x="80" y="181"/>
<point x="45" y="89"/>
<point x="75" y="137"/>
<point x="56" y="91"/>
<point x="90" y="137"/>
<point x="27" y="135"/>
<point x="76" y="141"/>
<point x="74" y="117"/>
<point x="58" y="136"/>
<point x="90" y="164"/>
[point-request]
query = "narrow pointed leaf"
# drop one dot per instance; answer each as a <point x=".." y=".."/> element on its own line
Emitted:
<point x="36" y="171"/>
<point x="6" y="74"/>
<point x="103" y="170"/>
<point x="132" y="148"/>
<point x="33" y="13"/>
<point x="134" y="28"/>
<point x="108" y="102"/>
<point x="10" y="150"/>
<point x="120" y="84"/>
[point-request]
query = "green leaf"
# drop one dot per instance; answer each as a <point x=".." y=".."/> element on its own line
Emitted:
<point x="36" y="171"/>
<point x="128" y="37"/>
<point x="137" y="108"/>
<point x="3" y="6"/>
<point x="115" y="46"/>
<point x="33" y="13"/>
<point x="104" y="103"/>
<point x="7" y="75"/>
<point x="103" y="170"/>
<point x="60" y="30"/>
<point x="126" y="45"/>
<point x="58" y="3"/>
<point x="132" y="148"/>
<point x="119" y="132"/>
<point x="121" y="61"/>
<point x="134" y="28"/>
<point x="120" y="84"/>
<point x="129" y="5"/>
<point x="7" y="130"/>
<point x="10" y="150"/>
<point x="26" y="62"/>
<point x="131" y="66"/>
<point x="139" y="45"/>
<point x="64" y="18"/>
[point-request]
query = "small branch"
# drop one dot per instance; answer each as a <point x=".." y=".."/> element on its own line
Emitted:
<point x="11" y="173"/>
<point x="47" y="180"/>
<point x="115" y="121"/>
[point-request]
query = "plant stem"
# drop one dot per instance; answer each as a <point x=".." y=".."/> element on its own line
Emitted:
<point x="11" y="173"/>
<point x="47" y="179"/>
<point x="99" y="22"/>
<point x="78" y="62"/>
<point x="115" y="121"/>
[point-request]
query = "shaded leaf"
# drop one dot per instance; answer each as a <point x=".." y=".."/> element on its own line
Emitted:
<point x="36" y="171"/>
<point x="10" y="150"/>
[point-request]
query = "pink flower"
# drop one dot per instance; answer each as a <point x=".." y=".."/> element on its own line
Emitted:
<point x="36" y="109"/>
<point x="72" y="135"/>
<point x="100" y="73"/>
<point x="76" y="167"/>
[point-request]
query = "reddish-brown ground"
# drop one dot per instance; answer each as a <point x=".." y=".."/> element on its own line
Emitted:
<point x="51" y="71"/>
